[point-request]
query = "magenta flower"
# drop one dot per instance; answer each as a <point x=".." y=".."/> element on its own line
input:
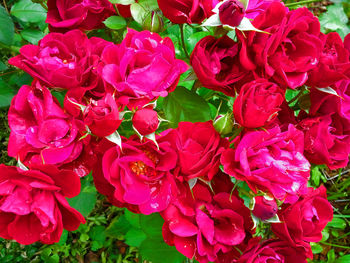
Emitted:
<point x="270" y="161"/>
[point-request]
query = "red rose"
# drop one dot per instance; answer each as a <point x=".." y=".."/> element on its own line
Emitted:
<point x="231" y="12"/>
<point x="62" y="60"/>
<point x="304" y="221"/>
<point x="276" y="251"/>
<point x="64" y="15"/>
<point x="216" y="64"/>
<point x="347" y="43"/>
<point x="142" y="68"/>
<point x="327" y="127"/>
<point x="33" y="204"/>
<point x="270" y="161"/>
<point x="124" y="10"/>
<point x="258" y="103"/>
<point x="289" y="50"/>
<point x="264" y="208"/>
<point x="186" y="11"/>
<point x="145" y="121"/>
<point x="140" y="174"/>
<point x="334" y="62"/>
<point x="200" y="224"/>
<point x="102" y="116"/>
<point x="327" y="140"/>
<point x="199" y="147"/>
<point x="41" y="132"/>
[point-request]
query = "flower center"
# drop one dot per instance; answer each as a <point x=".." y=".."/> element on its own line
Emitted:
<point x="139" y="168"/>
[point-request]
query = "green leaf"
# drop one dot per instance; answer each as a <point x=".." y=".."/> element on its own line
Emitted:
<point x="343" y="259"/>
<point x="184" y="105"/>
<point x="316" y="175"/>
<point x="152" y="225"/>
<point x="3" y="66"/>
<point x="6" y="94"/>
<point x="115" y="22"/>
<point x="7" y="28"/>
<point x="27" y="11"/>
<point x="134" y="237"/>
<point x="118" y="227"/>
<point x="63" y="238"/>
<point x="138" y="13"/>
<point x="142" y="8"/>
<point x="32" y="35"/>
<point x="98" y="237"/>
<point x="156" y="250"/>
<point x="193" y="40"/>
<point x="334" y="19"/>
<point x="132" y="218"/>
<point x="122" y="2"/>
<point x="337" y="223"/>
<point x="316" y="248"/>
<point x="331" y="256"/>
<point x="86" y="200"/>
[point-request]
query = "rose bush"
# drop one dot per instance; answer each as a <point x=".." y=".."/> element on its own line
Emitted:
<point x="211" y="139"/>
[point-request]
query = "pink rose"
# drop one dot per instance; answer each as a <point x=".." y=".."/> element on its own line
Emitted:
<point x="200" y="224"/>
<point x="145" y="121"/>
<point x="289" y="50"/>
<point x="64" y="15"/>
<point x="41" y="132"/>
<point x="257" y="103"/>
<point x="216" y="64"/>
<point x="140" y="173"/>
<point x="276" y="251"/>
<point x="304" y="221"/>
<point x="142" y="68"/>
<point x="63" y="61"/>
<point x="334" y="62"/>
<point x="34" y="206"/>
<point x="199" y="147"/>
<point x="270" y="161"/>
<point x="256" y="7"/>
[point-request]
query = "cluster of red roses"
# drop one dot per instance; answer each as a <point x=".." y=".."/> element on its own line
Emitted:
<point x="177" y="172"/>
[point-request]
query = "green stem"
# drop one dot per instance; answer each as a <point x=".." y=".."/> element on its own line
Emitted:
<point x="302" y="2"/>
<point x="183" y="40"/>
<point x="43" y="5"/>
<point x="334" y="245"/>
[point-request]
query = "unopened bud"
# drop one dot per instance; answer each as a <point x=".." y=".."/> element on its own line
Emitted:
<point x="154" y="22"/>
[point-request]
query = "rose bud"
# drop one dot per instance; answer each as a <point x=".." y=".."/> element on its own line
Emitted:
<point x="231" y="13"/>
<point x="264" y="208"/>
<point x="224" y="124"/>
<point x="153" y="22"/>
<point x="145" y="121"/>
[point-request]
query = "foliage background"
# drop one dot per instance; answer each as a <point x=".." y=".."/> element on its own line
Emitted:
<point x="115" y="235"/>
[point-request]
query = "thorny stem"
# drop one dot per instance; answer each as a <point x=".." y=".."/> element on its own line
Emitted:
<point x="183" y="41"/>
